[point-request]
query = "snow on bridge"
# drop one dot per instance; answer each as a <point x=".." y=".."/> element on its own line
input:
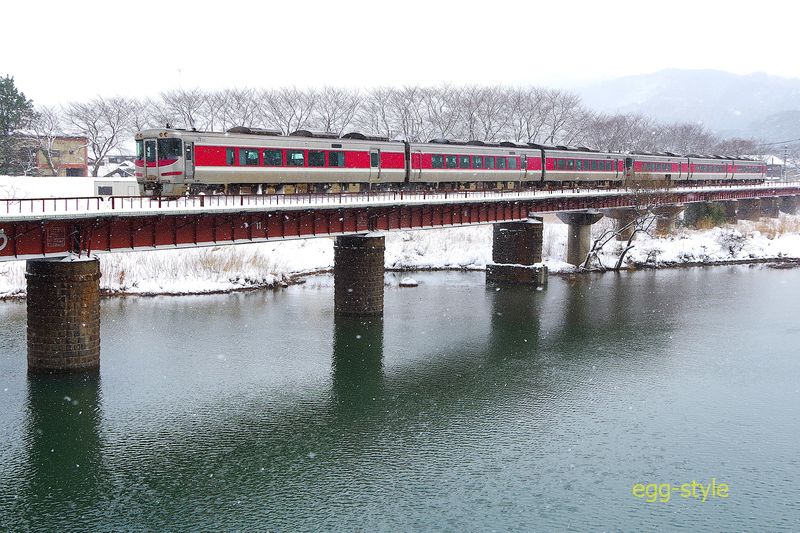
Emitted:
<point x="42" y="227"/>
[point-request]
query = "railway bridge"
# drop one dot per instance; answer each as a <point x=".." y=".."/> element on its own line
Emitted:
<point x="60" y="237"/>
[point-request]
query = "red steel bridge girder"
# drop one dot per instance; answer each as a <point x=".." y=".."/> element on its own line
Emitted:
<point x="112" y="232"/>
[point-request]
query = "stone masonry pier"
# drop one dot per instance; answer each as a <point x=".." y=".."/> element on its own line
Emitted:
<point x="358" y="275"/>
<point x="63" y="315"/>
<point x="517" y="254"/>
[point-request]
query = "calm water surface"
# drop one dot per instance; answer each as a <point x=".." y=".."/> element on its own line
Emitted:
<point x="464" y="409"/>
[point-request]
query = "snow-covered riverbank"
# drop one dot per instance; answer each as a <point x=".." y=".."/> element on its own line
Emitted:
<point x="224" y="268"/>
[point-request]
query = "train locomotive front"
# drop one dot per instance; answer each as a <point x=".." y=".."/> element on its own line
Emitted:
<point x="161" y="162"/>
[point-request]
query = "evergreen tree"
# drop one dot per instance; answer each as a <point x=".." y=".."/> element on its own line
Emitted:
<point x="16" y="112"/>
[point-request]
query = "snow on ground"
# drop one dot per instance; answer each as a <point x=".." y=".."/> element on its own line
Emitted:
<point x="45" y="187"/>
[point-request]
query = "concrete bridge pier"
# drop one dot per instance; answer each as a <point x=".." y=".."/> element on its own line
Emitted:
<point x="789" y="204"/>
<point x="729" y="206"/>
<point x="623" y="218"/>
<point x="579" y="234"/>
<point x="517" y="254"/>
<point x="63" y="315"/>
<point x="666" y="217"/>
<point x="358" y="275"/>
<point x="770" y="207"/>
<point x="749" y="209"/>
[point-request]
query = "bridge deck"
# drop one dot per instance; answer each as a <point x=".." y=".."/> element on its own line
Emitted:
<point x="60" y="226"/>
<point x="89" y="207"/>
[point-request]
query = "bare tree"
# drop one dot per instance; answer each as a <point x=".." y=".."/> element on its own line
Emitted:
<point x="440" y="105"/>
<point x="560" y="108"/>
<point x="492" y="112"/>
<point x="469" y="102"/>
<point x="233" y="107"/>
<point x="46" y="127"/>
<point x="737" y="146"/>
<point x="686" y="138"/>
<point x="104" y="122"/>
<point x="407" y="111"/>
<point x="374" y="115"/>
<point x="645" y="199"/>
<point x="187" y="104"/>
<point x="287" y="108"/>
<point x="335" y="109"/>
<point x="524" y="108"/>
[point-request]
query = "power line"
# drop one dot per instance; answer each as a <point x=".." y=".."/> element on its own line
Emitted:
<point x="779" y="142"/>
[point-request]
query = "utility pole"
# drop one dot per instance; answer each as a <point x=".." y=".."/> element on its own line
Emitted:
<point x="785" y="161"/>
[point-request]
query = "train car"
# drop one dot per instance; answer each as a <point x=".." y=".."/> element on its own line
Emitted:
<point x="474" y="164"/>
<point x="709" y="169"/>
<point x="245" y="160"/>
<point x="662" y="168"/>
<point x="749" y="170"/>
<point x="582" y="165"/>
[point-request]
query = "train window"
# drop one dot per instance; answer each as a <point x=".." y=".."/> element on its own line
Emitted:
<point x="169" y="148"/>
<point x="450" y="160"/>
<point x="570" y="164"/>
<point x="609" y="165"/>
<point x="335" y="159"/>
<point x="488" y="162"/>
<point x="248" y="157"/>
<point x="140" y="149"/>
<point x="463" y="161"/>
<point x="629" y="163"/>
<point x="150" y="151"/>
<point x="189" y="151"/>
<point x="512" y="163"/>
<point x="524" y="162"/>
<point x="578" y="164"/>
<point x="230" y="156"/>
<point x="273" y="158"/>
<point x="594" y="164"/>
<point x="561" y="164"/>
<point x="316" y="158"/>
<point x="477" y="161"/>
<point x="295" y="158"/>
<point x="501" y="163"/>
<point x="374" y="159"/>
<point x="437" y="161"/>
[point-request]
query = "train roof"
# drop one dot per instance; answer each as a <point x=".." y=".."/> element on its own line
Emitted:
<point x="260" y="132"/>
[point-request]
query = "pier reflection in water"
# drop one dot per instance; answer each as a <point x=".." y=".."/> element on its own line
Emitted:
<point x="62" y="440"/>
<point x="357" y="362"/>
<point x="463" y="408"/>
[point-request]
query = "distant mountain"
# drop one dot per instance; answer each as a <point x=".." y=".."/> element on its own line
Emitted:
<point x="728" y="104"/>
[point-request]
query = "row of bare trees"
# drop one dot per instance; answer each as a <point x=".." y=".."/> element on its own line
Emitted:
<point x="414" y="113"/>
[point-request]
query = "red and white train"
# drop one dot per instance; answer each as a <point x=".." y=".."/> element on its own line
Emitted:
<point x="250" y="161"/>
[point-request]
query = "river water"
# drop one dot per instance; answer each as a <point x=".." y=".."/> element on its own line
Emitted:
<point x="464" y="409"/>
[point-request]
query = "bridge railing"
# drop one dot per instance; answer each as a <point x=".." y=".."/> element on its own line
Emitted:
<point x="117" y="204"/>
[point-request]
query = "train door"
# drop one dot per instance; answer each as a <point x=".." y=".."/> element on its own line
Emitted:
<point x="524" y="168"/>
<point x="416" y="173"/>
<point x="189" y="160"/>
<point x="150" y="170"/>
<point x="374" y="165"/>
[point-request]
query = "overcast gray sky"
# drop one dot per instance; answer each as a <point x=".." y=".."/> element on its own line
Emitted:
<point x="62" y="51"/>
